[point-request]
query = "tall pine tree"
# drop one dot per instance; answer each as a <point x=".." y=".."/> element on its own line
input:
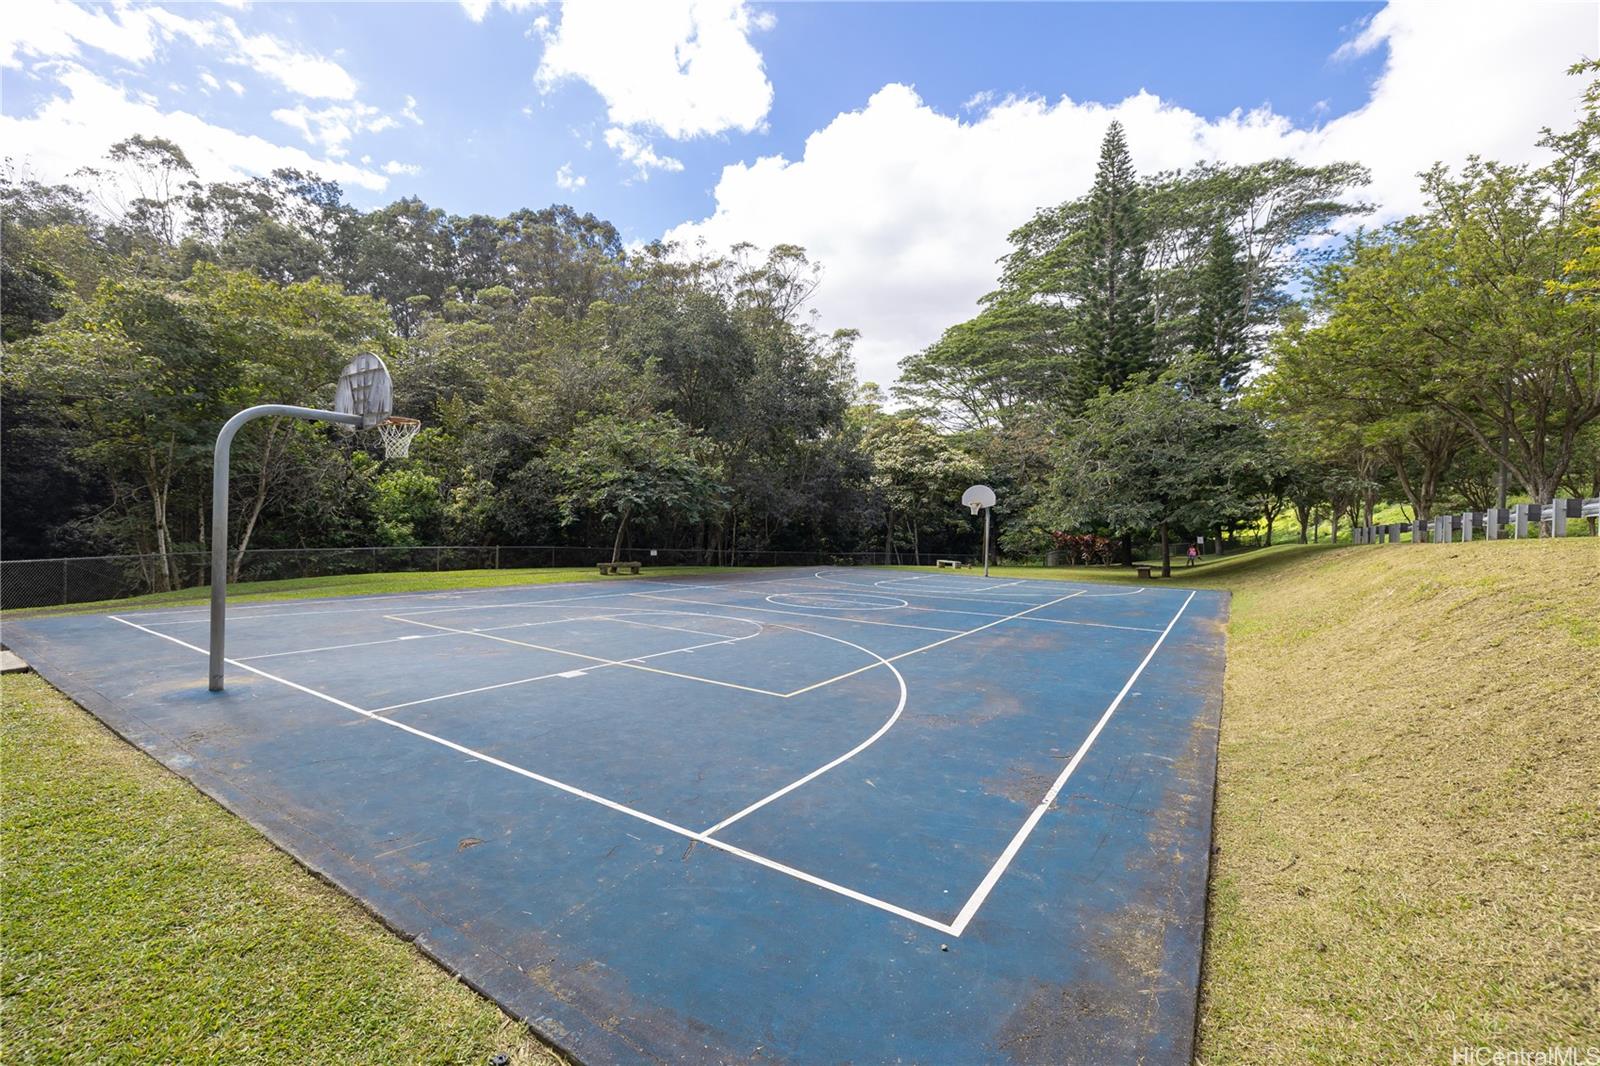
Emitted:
<point x="1219" y="330"/>
<point x="1115" y="334"/>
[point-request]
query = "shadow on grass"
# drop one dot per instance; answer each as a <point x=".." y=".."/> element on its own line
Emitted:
<point x="1210" y="573"/>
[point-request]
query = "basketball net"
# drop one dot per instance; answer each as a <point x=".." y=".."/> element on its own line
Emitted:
<point x="397" y="432"/>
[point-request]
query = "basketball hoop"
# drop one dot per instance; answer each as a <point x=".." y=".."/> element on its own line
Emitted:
<point x="397" y="432"/>
<point x="981" y="498"/>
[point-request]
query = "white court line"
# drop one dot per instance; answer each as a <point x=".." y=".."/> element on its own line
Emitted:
<point x="389" y="606"/>
<point x="631" y="665"/>
<point x="656" y="625"/>
<point x="483" y="688"/>
<point x="1094" y="625"/>
<point x="794" y="614"/>
<point x="424" y="636"/>
<point x="338" y="647"/>
<point x="992" y="878"/>
<point x="660" y="823"/>
<point x="852" y="753"/>
<point x="935" y="644"/>
<point x="1055" y="621"/>
<point x="885" y="585"/>
<point x="558" y="673"/>
<point x="635" y="590"/>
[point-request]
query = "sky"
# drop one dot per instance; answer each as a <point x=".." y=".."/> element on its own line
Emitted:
<point x="897" y="142"/>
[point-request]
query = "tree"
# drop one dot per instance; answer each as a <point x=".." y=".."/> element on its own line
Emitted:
<point x="917" y="476"/>
<point x="1153" y="455"/>
<point x="1220" y="327"/>
<point x="138" y="378"/>
<point x="1114" y="336"/>
<point x="619" y="470"/>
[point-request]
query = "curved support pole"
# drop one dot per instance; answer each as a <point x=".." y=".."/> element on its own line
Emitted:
<point x="219" y="512"/>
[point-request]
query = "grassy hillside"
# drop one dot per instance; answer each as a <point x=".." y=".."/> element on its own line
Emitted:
<point x="1408" y="809"/>
<point x="1408" y="825"/>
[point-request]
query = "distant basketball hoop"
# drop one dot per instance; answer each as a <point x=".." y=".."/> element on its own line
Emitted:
<point x="981" y="498"/>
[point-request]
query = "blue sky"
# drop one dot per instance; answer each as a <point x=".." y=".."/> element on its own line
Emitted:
<point x="899" y="142"/>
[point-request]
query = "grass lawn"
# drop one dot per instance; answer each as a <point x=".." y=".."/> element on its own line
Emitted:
<point x="142" y="923"/>
<point x="1408" y="829"/>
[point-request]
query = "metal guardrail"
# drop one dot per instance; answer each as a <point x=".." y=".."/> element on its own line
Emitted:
<point x="57" y="582"/>
<point x="1563" y="517"/>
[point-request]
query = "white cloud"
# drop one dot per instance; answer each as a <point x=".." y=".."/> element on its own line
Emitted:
<point x="640" y="152"/>
<point x="210" y="80"/>
<point x="237" y="88"/>
<point x="302" y="72"/>
<point x="683" y="67"/>
<point x="477" y="10"/>
<point x="56" y="29"/>
<point x="566" y="179"/>
<point x="74" y="128"/>
<point x="908" y="208"/>
<point x="396" y="168"/>
<point x="332" y="127"/>
<point x="410" y="110"/>
<point x="979" y="100"/>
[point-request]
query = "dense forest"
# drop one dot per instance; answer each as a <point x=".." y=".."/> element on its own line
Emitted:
<point x="1198" y="352"/>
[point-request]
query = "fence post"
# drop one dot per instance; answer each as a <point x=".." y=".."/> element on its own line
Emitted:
<point x="497" y="556"/>
<point x="64" y="565"/>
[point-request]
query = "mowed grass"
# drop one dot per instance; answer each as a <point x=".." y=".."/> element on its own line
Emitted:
<point x="142" y="923"/>
<point x="1408" y="806"/>
<point x="1408" y="825"/>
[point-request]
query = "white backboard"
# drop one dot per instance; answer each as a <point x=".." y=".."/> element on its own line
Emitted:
<point x="365" y="390"/>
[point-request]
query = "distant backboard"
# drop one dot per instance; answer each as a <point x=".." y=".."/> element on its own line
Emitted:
<point x="365" y="390"/>
<point x="977" y="498"/>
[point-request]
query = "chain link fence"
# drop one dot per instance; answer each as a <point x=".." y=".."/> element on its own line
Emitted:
<point x="57" y="582"/>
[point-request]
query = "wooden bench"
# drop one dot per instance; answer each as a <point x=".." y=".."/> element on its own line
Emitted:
<point x="1142" y="571"/>
<point x="617" y="568"/>
<point x="950" y="564"/>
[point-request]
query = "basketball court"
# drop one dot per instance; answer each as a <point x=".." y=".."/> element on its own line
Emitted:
<point x="847" y="814"/>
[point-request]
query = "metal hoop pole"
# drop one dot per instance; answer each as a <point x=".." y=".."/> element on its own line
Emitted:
<point x="986" y="542"/>
<point x="219" y="512"/>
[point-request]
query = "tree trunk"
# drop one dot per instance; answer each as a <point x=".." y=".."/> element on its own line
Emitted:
<point x="160" y="484"/>
<point x="1127" y="549"/>
<point x="1166" y="552"/>
<point x="622" y="526"/>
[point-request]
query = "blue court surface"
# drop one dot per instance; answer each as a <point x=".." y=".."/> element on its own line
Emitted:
<point x="848" y="815"/>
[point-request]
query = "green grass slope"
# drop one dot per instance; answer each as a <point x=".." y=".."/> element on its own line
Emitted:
<point x="1408" y="808"/>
